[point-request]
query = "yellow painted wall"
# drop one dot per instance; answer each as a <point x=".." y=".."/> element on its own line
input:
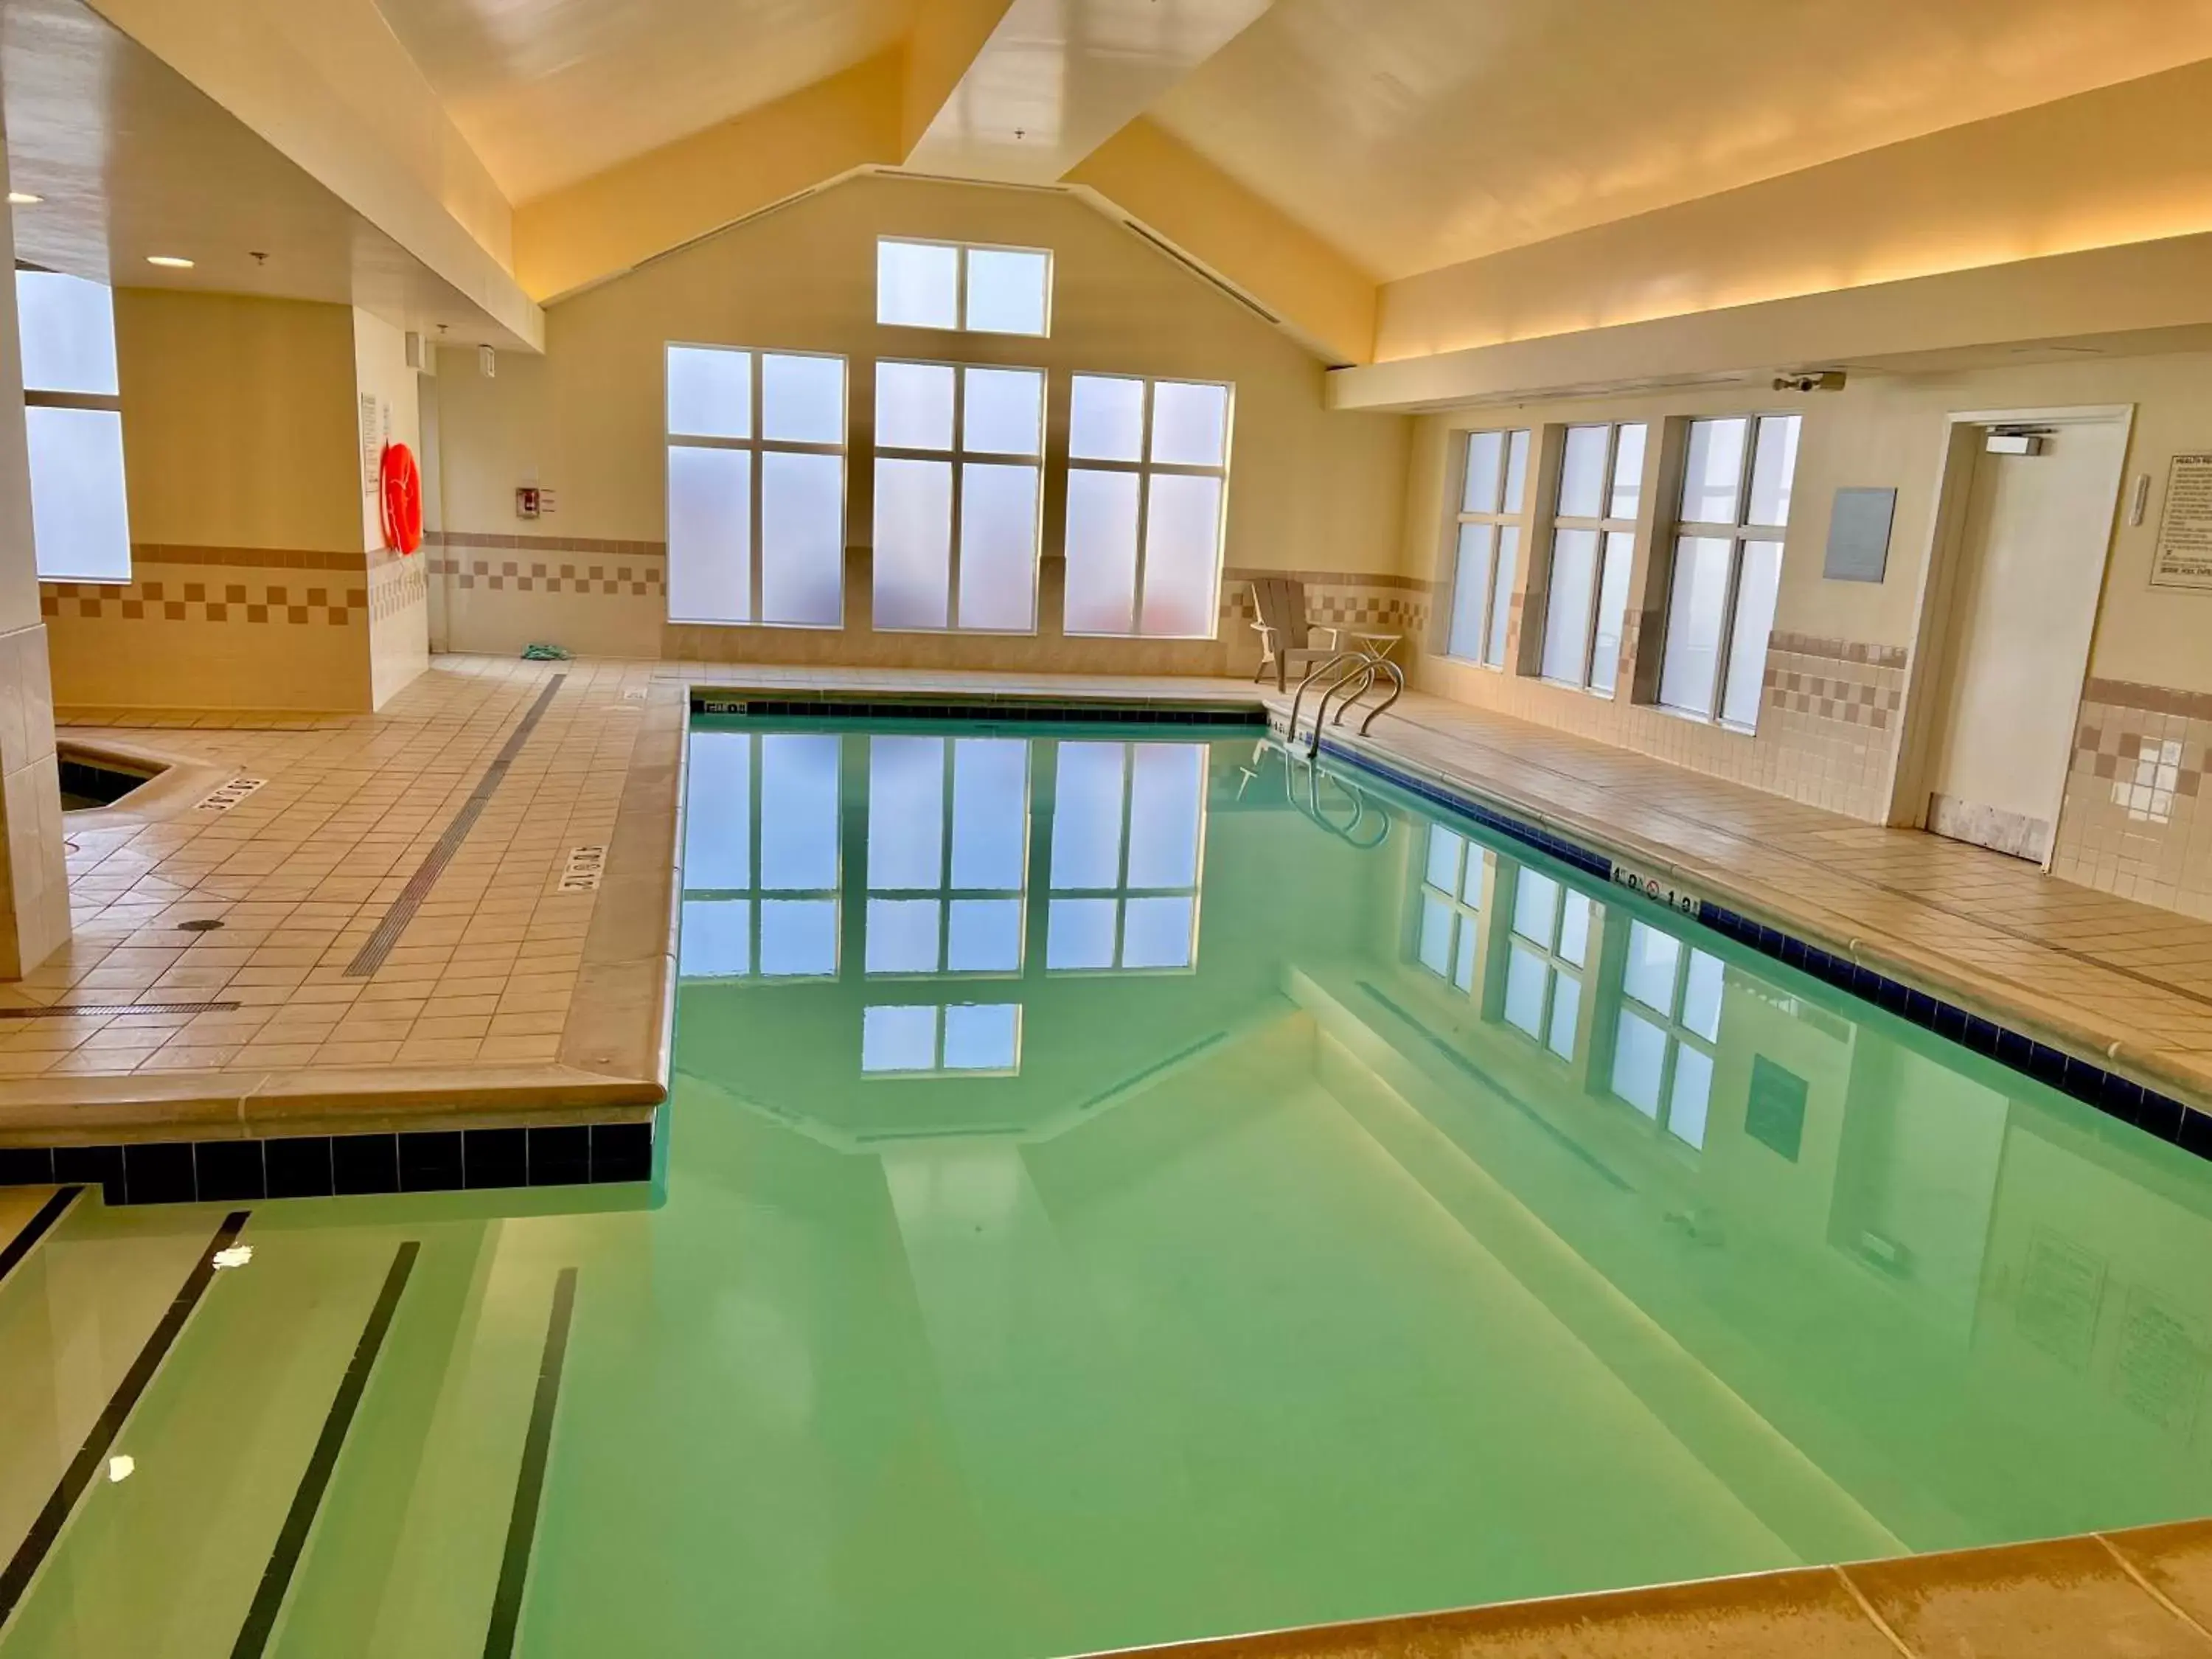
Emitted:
<point x="399" y="617"/>
<point x="2127" y="163"/>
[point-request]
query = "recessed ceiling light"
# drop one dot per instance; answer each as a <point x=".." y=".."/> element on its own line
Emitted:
<point x="23" y="198"/>
<point x="168" y="262"/>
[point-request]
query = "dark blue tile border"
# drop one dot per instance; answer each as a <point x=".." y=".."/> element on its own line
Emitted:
<point x="951" y="706"/>
<point x="2155" y="1114"/>
<point x="323" y="1166"/>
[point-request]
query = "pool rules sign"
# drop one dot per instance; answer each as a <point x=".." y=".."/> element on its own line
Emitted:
<point x="2183" y="555"/>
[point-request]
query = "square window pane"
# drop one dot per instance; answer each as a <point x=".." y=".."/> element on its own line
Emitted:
<point x="1002" y="412"/>
<point x="1693" y="623"/>
<point x="983" y="1036"/>
<point x="1701" y="995"/>
<point x="1535" y="906"/>
<point x="906" y="812"/>
<point x="79" y="521"/>
<point x="1167" y="813"/>
<point x="998" y="546"/>
<point x="1574" y="927"/>
<point x="717" y="941"/>
<point x="1527" y="976"/>
<point x="1086" y="814"/>
<point x="797" y="938"/>
<point x="1627" y="492"/>
<point x="913" y="405"/>
<point x="798" y="812"/>
<point x="1688" y="1100"/>
<point x="903" y="936"/>
<point x="1501" y="596"/>
<point x="1434" y="941"/>
<point x="1006" y="289"/>
<point x="1183" y="546"/>
<point x="1639" y="1062"/>
<point x="1486" y="457"/>
<point x="1471" y="590"/>
<point x="1446" y="850"/>
<point x="802" y="399"/>
<point x="710" y="392"/>
<point x="718" y="819"/>
<point x="710" y="534"/>
<point x="802" y="538"/>
<point x="1612" y="610"/>
<point x="1567" y="610"/>
<point x="1470" y="885"/>
<point x="1156" y="931"/>
<point x="1190" y="423"/>
<point x="898" y="1039"/>
<point x="1648" y="974"/>
<point x="914" y="543"/>
<point x="1105" y="418"/>
<point x="1758" y="582"/>
<point x="1516" y="470"/>
<point x="1101" y="591"/>
<point x="1712" y="471"/>
<point x="67" y="325"/>
<point x="1463" y="967"/>
<point x="983" y="936"/>
<point x="990" y="812"/>
<point x="1079" y="932"/>
<point x="917" y="284"/>
<point x="1566" y="1004"/>
<point x="1773" y="470"/>
<point x="1582" y="472"/>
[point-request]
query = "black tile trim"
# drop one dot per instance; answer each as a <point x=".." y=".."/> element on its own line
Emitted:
<point x="953" y="706"/>
<point x="292" y="1540"/>
<point x="31" y="1553"/>
<point x="530" y="1481"/>
<point x="347" y="1166"/>
<point x="2158" y="1114"/>
<point x="35" y="1229"/>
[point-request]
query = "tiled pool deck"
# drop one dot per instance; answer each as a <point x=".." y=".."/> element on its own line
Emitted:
<point x="507" y="999"/>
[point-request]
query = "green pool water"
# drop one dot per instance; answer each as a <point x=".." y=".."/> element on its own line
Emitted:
<point x="1122" y="1186"/>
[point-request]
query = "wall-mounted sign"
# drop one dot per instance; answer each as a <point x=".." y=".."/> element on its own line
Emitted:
<point x="1858" y="535"/>
<point x="2184" y="555"/>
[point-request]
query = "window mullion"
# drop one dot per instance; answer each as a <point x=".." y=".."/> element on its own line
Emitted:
<point x="959" y="464"/>
<point x="1144" y="514"/>
<point x="757" y="393"/>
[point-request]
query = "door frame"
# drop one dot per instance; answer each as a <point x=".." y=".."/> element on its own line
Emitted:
<point x="1928" y="669"/>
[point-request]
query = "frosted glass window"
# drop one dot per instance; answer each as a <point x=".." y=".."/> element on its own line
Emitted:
<point x="1516" y="471"/>
<point x="1105" y="418"/>
<point x="990" y="811"/>
<point x="1101" y="583"/>
<point x="709" y="534"/>
<point x="998" y="547"/>
<point x="1485" y="554"/>
<point x="898" y="1039"/>
<point x="903" y="936"/>
<point x="1568" y="617"/>
<point x="1155" y="932"/>
<point x="1574" y="927"/>
<point x="1701" y="995"/>
<point x="797" y="938"/>
<point x="1593" y="556"/>
<point x="1566" y="1008"/>
<point x="717" y="940"/>
<point x="917" y="284"/>
<point x="1081" y="932"/>
<point x="1004" y="411"/>
<point x="914" y="543"/>
<point x="1611" y="611"/>
<point x="67" y="325"/>
<point x="983" y="1036"/>
<point x="906" y="811"/>
<point x="948" y="830"/>
<point x="1485" y="471"/>
<point x="1535" y="906"/>
<point x="710" y="392"/>
<point x="1128" y="831"/>
<point x="802" y="538"/>
<point x="1190" y="423"/>
<point x="1448" y="930"/>
<point x="1436" y="938"/>
<point x="718" y="814"/>
<point x="1007" y="289"/>
<point x="79" y="521"/>
<point x="1088" y="803"/>
<point x="1167" y="793"/>
<point x="798" y="809"/>
<point x="1446" y="852"/>
<point x="760" y="855"/>
<point x="1648" y="971"/>
<point x="1527" y="980"/>
<point x="913" y="405"/>
<point x="1639" y="1063"/>
<point x="1686" y="1101"/>
<point x="1495" y="644"/>
<point x="803" y="398"/>
<point x="1728" y="567"/>
<point x="983" y="936"/>
<point x="1471" y="590"/>
<point x="1144" y="538"/>
<point x="1583" y="471"/>
<point x="1627" y="471"/>
<point x="1552" y="927"/>
<point x="1668" y="1022"/>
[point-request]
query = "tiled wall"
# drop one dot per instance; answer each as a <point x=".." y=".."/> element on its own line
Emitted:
<point x="2134" y="820"/>
<point x="214" y="628"/>
<point x="398" y="621"/>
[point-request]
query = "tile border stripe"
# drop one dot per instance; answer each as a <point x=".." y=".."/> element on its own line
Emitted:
<point x="530" y="1482"/>
<point x="29" y="1235"/>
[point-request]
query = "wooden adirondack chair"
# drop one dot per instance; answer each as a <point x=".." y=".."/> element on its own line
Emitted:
<point x="1288" y="641"/>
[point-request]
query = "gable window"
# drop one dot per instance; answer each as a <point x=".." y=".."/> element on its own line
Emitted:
<point x="958" y="453"/>
<point x="73" y="422"/>
<point x="1148" y="474"/>
<point x="1670" y="1023"/>
<point x="1736" y="479"/>
<point x="1128" y="828"/>
<point x="962" y="286"/>
<point x="760" y="856"/>
<point x="1448" y="927"/>
<point x="948" y="854"/>
<point x="1488" y="547"/>
<point x="755" y="487"/>
<point x="1550" y="943"/>
<point x="958" y="1039"/>
<point x="1593" y="550"/>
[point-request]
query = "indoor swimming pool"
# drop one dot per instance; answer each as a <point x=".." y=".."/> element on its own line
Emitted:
<point x="1123" y="1184"/>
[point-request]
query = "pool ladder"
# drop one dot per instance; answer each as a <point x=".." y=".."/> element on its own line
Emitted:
<point x="1348" y="830"/>
<point x="1354" y="673"/>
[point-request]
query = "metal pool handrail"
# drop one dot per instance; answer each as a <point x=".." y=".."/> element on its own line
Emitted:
<point x="1365" y="675"/>
<point x="1353" y="660"/>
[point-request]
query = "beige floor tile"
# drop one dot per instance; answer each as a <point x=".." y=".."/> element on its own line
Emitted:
<point x="2069" y="1599"/>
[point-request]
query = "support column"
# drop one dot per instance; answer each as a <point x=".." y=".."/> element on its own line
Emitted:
<point x="34" y="913"/>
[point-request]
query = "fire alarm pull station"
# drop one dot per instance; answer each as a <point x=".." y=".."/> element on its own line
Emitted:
<point x="527" y="499"/>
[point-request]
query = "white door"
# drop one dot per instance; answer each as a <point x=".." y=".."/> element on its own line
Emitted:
<point x="2030" y="568"/>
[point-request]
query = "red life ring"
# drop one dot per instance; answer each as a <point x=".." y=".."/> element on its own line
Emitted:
<point x="400" y="498"/>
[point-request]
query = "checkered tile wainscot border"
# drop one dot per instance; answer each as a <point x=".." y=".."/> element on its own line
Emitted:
<point x="254" y="602"/>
